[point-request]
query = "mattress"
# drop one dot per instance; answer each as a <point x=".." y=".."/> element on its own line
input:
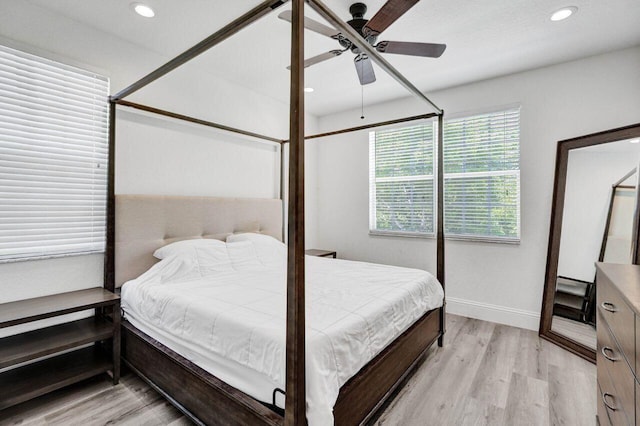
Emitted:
<point x="232" y="322"/>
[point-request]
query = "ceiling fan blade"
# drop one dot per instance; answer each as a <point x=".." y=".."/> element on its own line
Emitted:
<point x="364" y="68"/>
<point x="429" y="50"/>
<point x="320" y="58"/>
<point x="312" y="25"/>
<point x="387" y="15"/>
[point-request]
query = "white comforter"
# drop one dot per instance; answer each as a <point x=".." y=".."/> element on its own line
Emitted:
<point x="354" y="310"/>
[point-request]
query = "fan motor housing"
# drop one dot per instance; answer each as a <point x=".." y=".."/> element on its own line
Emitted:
<point x="357" y="11"/>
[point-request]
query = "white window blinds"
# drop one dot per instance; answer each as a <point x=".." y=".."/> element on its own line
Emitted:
<point x="53" y="157"/>
<point x="482" y="175"/>
<point x="401" y="181"/>
<point x="481" y="178"/>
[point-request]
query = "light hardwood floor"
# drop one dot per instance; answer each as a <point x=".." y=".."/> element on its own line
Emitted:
<point x="487" y="374"/>
<point x="491" y="374"/>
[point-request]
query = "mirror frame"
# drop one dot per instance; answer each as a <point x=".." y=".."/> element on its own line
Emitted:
<point x="557" y="209"/>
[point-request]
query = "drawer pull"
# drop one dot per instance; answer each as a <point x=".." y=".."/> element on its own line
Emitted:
<point x="604" y="400"/>
<point x="609" y="307"/>
<point x="606" y="349"/>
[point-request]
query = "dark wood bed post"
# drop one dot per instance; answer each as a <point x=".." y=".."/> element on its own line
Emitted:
<point x="370" y="126"/>
<point x="109" y="258"/>
<point x="440" y="220"/>
<point x="219" y="36"/>
<point x="194" y="120"/>
<point x="373" y="54"/>
<point x="614" y="187"/>
<point x="284" y="230"/>
<point x="358" y="398"/>
<point x="295" y="400"/>
<point x="216" y="38"/>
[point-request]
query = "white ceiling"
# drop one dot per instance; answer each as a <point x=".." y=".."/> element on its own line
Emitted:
<point x="484" y="39"/>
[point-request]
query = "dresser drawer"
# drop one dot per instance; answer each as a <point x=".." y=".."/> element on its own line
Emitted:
<point x="609" y="406"/>
<point x="610" y="358"/>
<point x="637" y="401"/>
<point x="637" y="345"/>
<point x="618" y="316"/>
<point x="603" y="414"/>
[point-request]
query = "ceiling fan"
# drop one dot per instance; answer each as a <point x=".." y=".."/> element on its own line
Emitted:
<point x="369" y="29"/>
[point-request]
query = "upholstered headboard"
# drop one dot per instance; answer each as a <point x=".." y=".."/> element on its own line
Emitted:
<point x="145" y="223"/>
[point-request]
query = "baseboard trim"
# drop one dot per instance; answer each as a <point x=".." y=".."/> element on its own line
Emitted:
<point x="494" y="313"/>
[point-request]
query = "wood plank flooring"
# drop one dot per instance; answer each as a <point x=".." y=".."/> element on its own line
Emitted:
<point x="492" y="374"/>
<point x="487" y="374"/>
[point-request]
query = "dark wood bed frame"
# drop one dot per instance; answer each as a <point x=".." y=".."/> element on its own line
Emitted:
<point x="205" y="399"/>
<point x="199" y="394"/>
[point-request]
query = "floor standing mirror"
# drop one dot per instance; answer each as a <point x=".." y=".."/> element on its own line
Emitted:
<point x="594" y="218"/>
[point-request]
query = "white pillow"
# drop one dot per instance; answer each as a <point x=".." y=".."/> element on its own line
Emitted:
<point x="206" y="256"/>
<point x="243" y="256"/>
<point x="187" y="246"/>
<point x="271" y="252"/>
<point x="177" y="267"/>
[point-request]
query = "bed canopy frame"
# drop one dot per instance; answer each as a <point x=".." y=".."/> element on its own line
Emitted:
<point x="295" y="411"/>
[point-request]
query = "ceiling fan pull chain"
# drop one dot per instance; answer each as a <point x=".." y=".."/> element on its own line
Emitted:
<point x="361" y="98"/>
<point x="362" y="102"/>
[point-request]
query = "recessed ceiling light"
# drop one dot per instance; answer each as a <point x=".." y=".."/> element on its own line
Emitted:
<point x="143" y="10"/>
<point x="634" y="141"/>
<point x="308" y="89"/>
<point x="563" y="13"/>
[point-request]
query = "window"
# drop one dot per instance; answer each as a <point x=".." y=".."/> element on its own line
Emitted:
<point x="53" y="157"/>
<point x="401" y="192"/>
<point x="481" y="178"/>
<point x="482" y="175"/>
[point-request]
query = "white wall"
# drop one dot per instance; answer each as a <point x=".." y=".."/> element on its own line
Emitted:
<point x="497" y="282"/>
<point x="159" y="156"/>
<point x="156" y="156"/>
<point x="590" y="174"/>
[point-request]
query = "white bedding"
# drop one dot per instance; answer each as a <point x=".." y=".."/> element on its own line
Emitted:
<point x="231" y="320"/>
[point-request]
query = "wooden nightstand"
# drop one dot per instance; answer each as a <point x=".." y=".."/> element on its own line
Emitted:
<point x="32" y="380"/>
<point x="321" y="253"/>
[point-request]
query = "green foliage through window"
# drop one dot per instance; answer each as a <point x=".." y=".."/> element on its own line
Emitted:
<point x="482" y="177"/>
<point x="403" y="179"/>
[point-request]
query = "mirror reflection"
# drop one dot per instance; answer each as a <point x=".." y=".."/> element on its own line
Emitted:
<point x="597" y="225"/>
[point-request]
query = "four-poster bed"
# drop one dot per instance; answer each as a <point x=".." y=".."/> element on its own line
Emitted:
<point x="201" y="395"/>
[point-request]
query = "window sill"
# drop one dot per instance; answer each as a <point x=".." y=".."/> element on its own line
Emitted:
<point x="49" y="256"/>
<point x="470" y="238"/>
<point x="378" y="233"/>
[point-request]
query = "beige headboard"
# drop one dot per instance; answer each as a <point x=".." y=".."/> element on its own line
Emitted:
<point x="145" y="223"/>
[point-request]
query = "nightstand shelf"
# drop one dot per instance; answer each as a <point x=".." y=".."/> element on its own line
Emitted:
<point x="46" y="341"/>
<point x="29" y="381"/>
<point x="320" y="253"/>
<point x="22" y="311"/>
<point x="33" y="380"/>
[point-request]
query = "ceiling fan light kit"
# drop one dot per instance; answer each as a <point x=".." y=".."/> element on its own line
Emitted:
<point x="369" y="29"/>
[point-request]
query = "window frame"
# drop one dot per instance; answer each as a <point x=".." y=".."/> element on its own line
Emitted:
<point x="373" y="181"/>
<point x="454" y="237"/>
